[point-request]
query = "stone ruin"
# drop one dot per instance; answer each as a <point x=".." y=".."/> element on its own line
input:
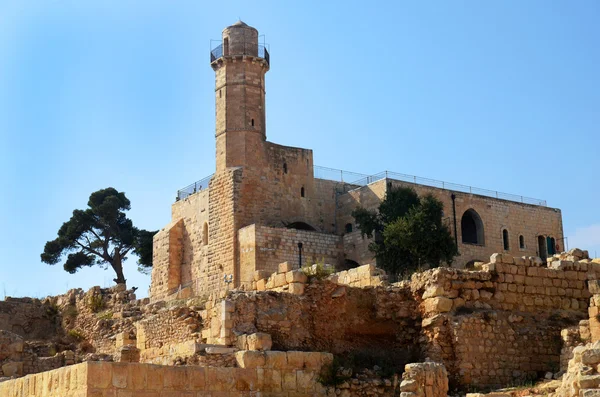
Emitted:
<point x="512" y="322"/>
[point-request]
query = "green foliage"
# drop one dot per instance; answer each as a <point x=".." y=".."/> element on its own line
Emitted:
<point x="100" y="235"/>
<point x="105" y="315"/>
<point x="52" y="311"/>
<point x="408" y="232"/>
<point x="76" y="335"/>
<point x="318" y="271"/>
<point x="70" y="311"/>
<point x="96" y="303"/>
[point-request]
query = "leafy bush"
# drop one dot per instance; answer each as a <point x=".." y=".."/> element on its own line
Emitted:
<point x="76" y="334"/>
<point x="96" y="303"/>
<point x="70" y="311"/>
<point x="106" y="315"/>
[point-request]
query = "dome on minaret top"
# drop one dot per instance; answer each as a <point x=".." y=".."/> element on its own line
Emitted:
<point x="240" y="25"/>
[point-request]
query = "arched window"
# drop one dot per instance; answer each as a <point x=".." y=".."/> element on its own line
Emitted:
<point x="205" y="234"/>
<point x="471" y="228"/>
<point x="302" y="191"/>
<point x="505" y="239"/>
<point x="348" y="228"/>
<point x="521" y="242"/>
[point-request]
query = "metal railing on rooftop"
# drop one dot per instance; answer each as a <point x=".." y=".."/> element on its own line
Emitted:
<point x="253" y="49"/>
<point x="202" y="184"/>
<point x="355" y="180"/>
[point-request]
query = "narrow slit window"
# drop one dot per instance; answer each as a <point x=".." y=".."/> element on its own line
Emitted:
<point x="285" y="168"/>
<point x="521" y="242"/>
<point x="252" y="122"/>
<point x="505" y="239"/>
<point x="302" y="191"/>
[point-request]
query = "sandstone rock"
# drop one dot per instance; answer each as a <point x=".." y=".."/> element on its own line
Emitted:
<point x="285" y="267"/>
<point x="12" y="369"/>
<point x="590" y="356"/>
<point x="296" y="276"/>
<point x="250" y="359"/>
<point x="439" y="304"/>
<point x="259" y="341"/>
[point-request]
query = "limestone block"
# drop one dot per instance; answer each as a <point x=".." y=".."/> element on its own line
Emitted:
<point x="219" y="350"/>
<point x="296" y="288"/>
<point x="296" y="276"/>
<point x="242" y="342"/>
<point x="13" y="369"/>
<point x="594" y="286"/>
<point x="433" y="291"/>
<point x="261" y="285"/>
<point x="261" y="274"/>
<point x="285" y="267"/>
<point x="496" y="258"/>
<point x="295" y="360"/>
<point x="278" y="280"/>
<point x="275" y="360"/>
<point x="259" y="341"/>
<point x="590" y="357"/>
<point x="589" y="381"/>
<point x="439" y="304"/>
<point x="250" y="359"/>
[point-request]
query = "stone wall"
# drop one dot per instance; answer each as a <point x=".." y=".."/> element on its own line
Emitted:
<point x="362" y="276"/>
<point x="277" y="376"/>
<point x="328" y="317"/>
<point x="502" y="324"/>
<point x="264" y="248"/>
<point x="29" y="318"/>
<point x="167" y="327"/>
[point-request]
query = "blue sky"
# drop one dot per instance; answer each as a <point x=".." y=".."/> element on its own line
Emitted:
<point x="503" y="95"/>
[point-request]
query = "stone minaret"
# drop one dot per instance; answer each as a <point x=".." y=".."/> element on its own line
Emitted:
<point x="240" y="64"/>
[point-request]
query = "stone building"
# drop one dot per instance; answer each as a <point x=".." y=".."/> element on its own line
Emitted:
<point x="267" y="203"/>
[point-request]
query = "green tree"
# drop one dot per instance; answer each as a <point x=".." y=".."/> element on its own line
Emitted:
<point x="100" y="235"/>
<point x="408" y="232"/>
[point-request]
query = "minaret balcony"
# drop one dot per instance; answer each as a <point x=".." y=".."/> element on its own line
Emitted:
<point x="249" y="49"/>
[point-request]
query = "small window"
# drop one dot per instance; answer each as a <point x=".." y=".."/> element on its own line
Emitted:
<point x="285" y="168"/>
<point x="252" y="121"/>
<point x="302" y="191"/>
<point x="220" y="94"/>
<point x="521" y="242"/>
<point x="505" y="239"/>
<point x="348" y="228"/>
<point x="205" y="234"/>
